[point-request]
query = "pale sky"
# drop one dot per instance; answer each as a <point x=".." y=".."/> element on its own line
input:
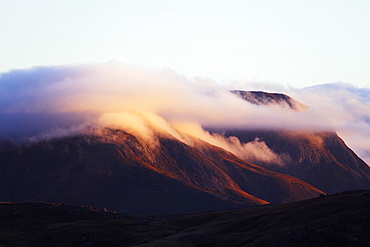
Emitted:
<point x="297" y="43"/>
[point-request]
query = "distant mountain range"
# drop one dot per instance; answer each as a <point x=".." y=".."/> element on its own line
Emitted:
<point x="111" y="168"/>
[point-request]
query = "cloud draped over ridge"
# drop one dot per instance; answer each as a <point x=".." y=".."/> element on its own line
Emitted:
<point x="347" y="108"/>
<point x="60" y="100"/>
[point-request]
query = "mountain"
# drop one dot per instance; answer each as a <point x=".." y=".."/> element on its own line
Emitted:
<point x="336" y="220"/>
<point x="168" y="171"/>
<point x="118" y="171"/>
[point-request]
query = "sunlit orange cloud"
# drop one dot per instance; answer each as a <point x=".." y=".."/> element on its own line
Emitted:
<point x="148" y="127"/>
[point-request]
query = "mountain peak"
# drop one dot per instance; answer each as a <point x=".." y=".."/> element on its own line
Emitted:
<point x="264" y="98"/>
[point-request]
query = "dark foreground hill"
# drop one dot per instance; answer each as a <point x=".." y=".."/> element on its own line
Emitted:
<point x="336" y="220"/>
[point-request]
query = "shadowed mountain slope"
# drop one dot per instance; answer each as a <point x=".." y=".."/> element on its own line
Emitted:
<point x="120" y="172"/>
<point x="83" y="170"/>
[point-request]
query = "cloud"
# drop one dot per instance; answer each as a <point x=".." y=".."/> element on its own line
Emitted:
<point x="46" y="102"/>
<point x="94" y="90"/>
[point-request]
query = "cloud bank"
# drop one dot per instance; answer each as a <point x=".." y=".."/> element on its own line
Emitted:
<point x="46" y="102"/>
